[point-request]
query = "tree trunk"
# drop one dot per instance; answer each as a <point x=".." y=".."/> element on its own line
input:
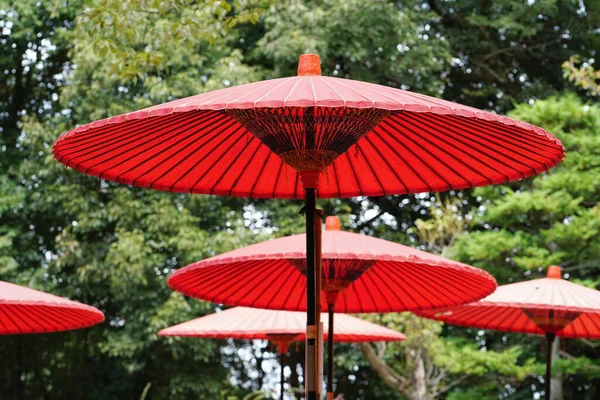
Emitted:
<point x="557" y="378"/>
<point x="419" y="391"/>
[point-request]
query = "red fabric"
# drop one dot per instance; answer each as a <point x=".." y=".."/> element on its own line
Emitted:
<point x="254" y="323"/>
<point x="194" y="145"/>
<point x="400" y="279"/>
<point x="512" y="307"/>
<point x="24" y="310"/>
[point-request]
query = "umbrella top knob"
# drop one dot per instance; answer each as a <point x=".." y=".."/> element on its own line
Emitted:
<point x="554" y="272"/>
<point x="309" y="64"/>
<point x="332" y="224"/>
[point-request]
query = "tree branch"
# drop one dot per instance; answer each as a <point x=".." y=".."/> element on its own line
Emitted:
<point x="385" y="372"/>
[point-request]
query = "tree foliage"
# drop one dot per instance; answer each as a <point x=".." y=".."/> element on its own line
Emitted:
<point x="70" y="62"/>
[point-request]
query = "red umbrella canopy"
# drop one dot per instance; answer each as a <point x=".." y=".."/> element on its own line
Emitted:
<point x="362" y="273"/>
<point x="256" y="140"/>
<point x="277" y="326"/>
<point x="541" y="306"/>
<point x="24" y="310"/>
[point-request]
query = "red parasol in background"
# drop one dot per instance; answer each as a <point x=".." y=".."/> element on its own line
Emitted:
<point x="24" y="310"/>
<point x="360" y="274"/>
<point x="301" y="136"/>
<point x="550" y="306"/>
<point x="280" y="327"/>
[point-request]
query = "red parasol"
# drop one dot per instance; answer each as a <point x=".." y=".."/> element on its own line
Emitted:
<point x="360" y="274"/>
<point x="278" y="138"/>
<point x="24" y="310"/>
<point x="279" y="327"/>
<point x="550" y="306"/>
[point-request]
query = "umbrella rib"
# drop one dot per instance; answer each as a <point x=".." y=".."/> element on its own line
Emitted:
<point x="335" y="91"/>
<point x="204" y="157"/>
<point x="106" y="137"/>
<point x="296" y="185"/>
<point x="5" y="309"/>
<point x="152" y="147"/>
<point x="375" y="287"/>
<point x="587" y="332"/>
<point x="191" y="280"/>
<point x="414" y="171"/>
<point x="92" y="135"/>
<point x="38" y="319"/>
<point x="235" y="273"/>
<point x="251" y="283"/>
<point x="517" y="135"/>
<point x="276" y="266"/>
<point x="281" y="165"/>
<point x="207" y="170"/>
<point x="209" y="139"/>
<point x="337" y="182"/>
<point x="593" y="320"/>
<point x="376" y="271"/>
<point x="231" y="166"/>
<point x="260" y="173"/>
<point x="163" y="150"/>
<point x="155" y="166"/>
<point x="68" y="314"/>
<point x="413" y="282"/>
<point x="371" y="168"/>
<point x="481" y="141"/>
<point x="441" y="275"/>
<point x="99" y="149"/>
<point x="494" y="139"/>
<point x="354" y="173"/>
<point x="366" y="137"/>
<point x="457" y="137"/>
<point x="431" y="133"/>
<point x="407" y="134"/>
<point x="289" y="293"/>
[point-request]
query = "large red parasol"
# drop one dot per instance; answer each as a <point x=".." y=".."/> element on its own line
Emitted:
<point x="301" y="136"/>
<point x="550" y="306"/>
<point x="360" y="274"/>
<point x="24" y="310"/>
<point x="279" y="327"/>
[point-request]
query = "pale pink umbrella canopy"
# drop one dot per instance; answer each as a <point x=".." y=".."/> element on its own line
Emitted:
<point x="255" y="323"/>
<point x="539" y="306"/>
<point x="24" y="310"/>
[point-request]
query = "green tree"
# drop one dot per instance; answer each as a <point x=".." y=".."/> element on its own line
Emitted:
<point x="520" y="229"/>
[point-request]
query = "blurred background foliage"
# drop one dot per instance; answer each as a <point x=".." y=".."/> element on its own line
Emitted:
<point x="66" y="62"/>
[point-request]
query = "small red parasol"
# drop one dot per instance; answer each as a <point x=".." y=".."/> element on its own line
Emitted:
<point x="309" y="136"/>
<point x="280" y="327"/>
<point x="550" y="306"/>
<point x="24" y="310"/>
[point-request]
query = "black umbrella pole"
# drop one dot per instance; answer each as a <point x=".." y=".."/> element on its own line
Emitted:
<point x="311" y="372"/>
<point x="281" y="376"/>
<point x="549" y="341"/>
<point x="330" y="309"/>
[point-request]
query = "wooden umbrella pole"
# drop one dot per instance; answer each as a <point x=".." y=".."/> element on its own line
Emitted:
<point x="330" y="309"/>
<point x="549" y="341"/>
<point x="318" y="274"/>
<point x="311" y="318"/>
<point x="281" y="375"/>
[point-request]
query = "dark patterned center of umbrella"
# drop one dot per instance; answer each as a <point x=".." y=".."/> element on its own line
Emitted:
<point x="337" y="274"/>
<point x="282" y="340"/>
<point x="309" y="138"/>
<point x="551" y="321"/>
